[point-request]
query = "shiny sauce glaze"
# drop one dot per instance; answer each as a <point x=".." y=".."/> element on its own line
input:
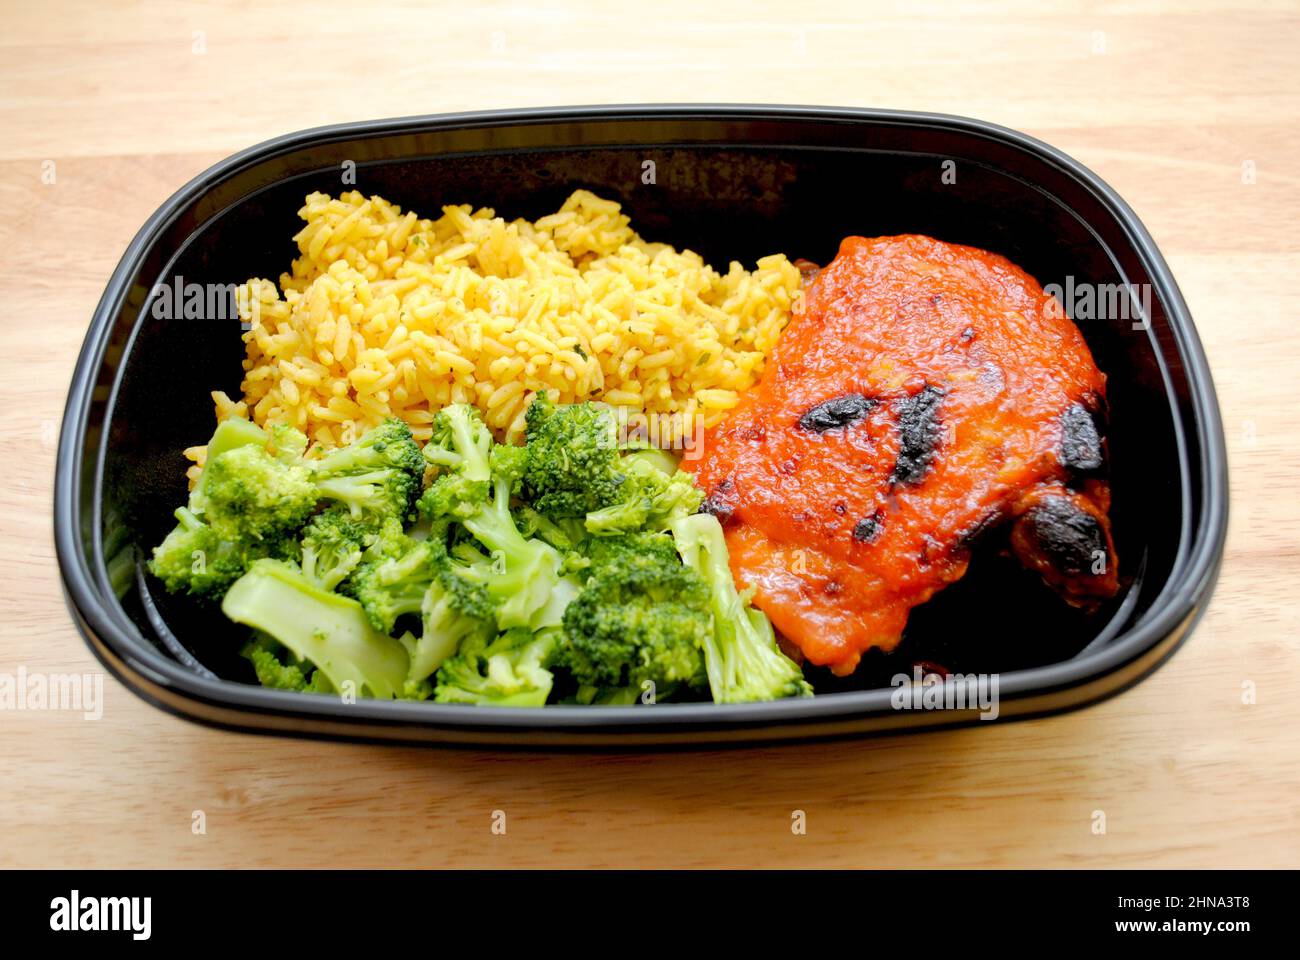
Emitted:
<point x="922" y="393"/>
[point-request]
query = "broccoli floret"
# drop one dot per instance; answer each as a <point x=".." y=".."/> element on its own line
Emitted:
<point x="566" y="535"/>
<point x="643" y="617"/>
<point x="387" y="539"/>
<point x="460" y="442"/>
<point x="230" y="521"/>
<point x="230" y="433"/>
<point x="316" y="625"/>
<point x="471" y="464"/>
<point x="376" y="477"/>
<point x="287" y="444"/>
<point x="190" y="558"/>
<point x="257" y="495"/>
<point x="370" y="497"/>
<point x="193" y="559"/>
<point x="652" y="499"/>
<point x="573" y="463"/>
<point x="389" y="444"/>
<point x="453" y="613"/>
<point x="741" y="655"/>
<point x="506" y="671"/>
<point x="459" y="448"/>
<point x="520" y="574"/>
<point x="422" y="579"/>
<point x="508" y="465"/>
<point x="574" y="469"/>
<point x="275" y="667"/>
<point x="333" y="545"/>
<point x="389" y="587"/>
<point x="250" y="495"/>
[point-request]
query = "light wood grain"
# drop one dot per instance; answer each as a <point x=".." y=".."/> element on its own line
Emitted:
<point x="1165" y="101"/>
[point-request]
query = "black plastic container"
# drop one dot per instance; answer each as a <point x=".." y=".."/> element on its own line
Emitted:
<point x="731" y="182"/>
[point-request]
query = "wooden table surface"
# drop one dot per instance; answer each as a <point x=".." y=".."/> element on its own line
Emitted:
<point x="1173" y="104"/>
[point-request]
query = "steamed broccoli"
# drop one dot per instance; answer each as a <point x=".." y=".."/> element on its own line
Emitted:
<point x="193" y="559"/>
<point x="394" y="586"/>
<point x="566" y="535"/>
<point x="256" y="493"/>
<point x="388" y="538"/>
<point x="376" y="477"/>
<point x="389" y="444"/>
<point x="230" y="433"/>
<point x="250" y="495"/>
<point x="243" y="493"/>
<point x="333" y="545"/>
<point x="453" y="613"/>
<point x="460" y="448"/>
<point x="507" y="671"/>
<point x="573" y="458"/>
<point x="652" y="499"/>
<point x="574" y="469"/>
<point x="326" y="629"/>
<point x="422" y="579"/>
<point x="741" y="655"/>
<point x="278" y="669"/>
<point x="642" y="618"/>
<point x="521" y="575"/>
<point x="228" y="523"/>
<point x="522" y="560"/>
<point x="286" y="443"/>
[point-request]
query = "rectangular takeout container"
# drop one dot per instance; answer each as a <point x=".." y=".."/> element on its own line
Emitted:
<point x="732" y="183"/>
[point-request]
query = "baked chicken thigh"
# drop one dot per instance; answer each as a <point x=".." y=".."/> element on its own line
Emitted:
<point x="922" y="394"/>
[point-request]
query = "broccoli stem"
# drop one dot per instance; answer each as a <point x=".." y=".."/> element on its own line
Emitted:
<point x="661" y="460"/>
<point x="613" y="696"/>
<point x="328" y="629"/>
<point x="444" y="628"/>
<point x="186" y="519"/>
<point x="743" y="662"/>
<point x="356" y="492"/>
<point x="471" y="444"/>
<point x="343" y="461"/>
<point x="525" y="572"/>
<point x="394" y="587"/>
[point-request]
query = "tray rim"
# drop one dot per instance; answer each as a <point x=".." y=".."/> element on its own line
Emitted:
<point x="1030" y="692"/>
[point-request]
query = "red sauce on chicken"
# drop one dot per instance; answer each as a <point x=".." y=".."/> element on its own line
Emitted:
<point x="923" y="393"/>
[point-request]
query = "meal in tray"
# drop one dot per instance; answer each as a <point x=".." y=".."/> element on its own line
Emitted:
<point x="523" y="463"/>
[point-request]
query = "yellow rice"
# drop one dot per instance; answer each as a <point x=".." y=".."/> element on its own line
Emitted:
<point x="384" y="313"/>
